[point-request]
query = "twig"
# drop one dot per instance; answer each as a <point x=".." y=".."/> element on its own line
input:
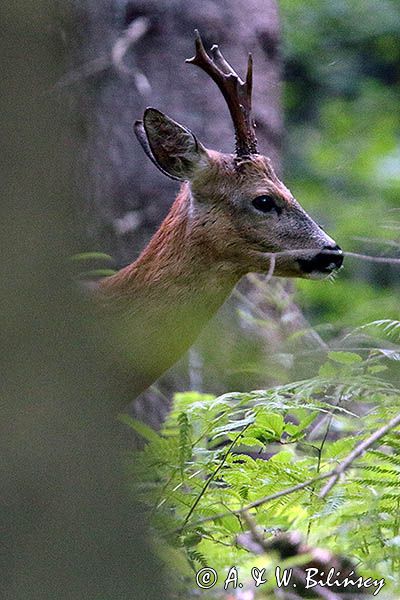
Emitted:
<point x="377" y="259"/>
<point x="136" y="30"/>
<point x="213" y="476"/>
<point x="332" y="475"/>
<point x="320" y="450"/>
<point x="271" y="269"/>
<point x="252" y="525"/>
<point x="265" y="499"/>
<point x="306" y="251"/>
<point x="88" y="69"/>
<point x="358" y="450"/>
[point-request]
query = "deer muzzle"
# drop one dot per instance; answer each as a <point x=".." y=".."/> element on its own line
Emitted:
<point x="328" y="260"/>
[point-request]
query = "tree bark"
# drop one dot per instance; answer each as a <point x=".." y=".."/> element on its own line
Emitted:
<point x="129" y="55"/>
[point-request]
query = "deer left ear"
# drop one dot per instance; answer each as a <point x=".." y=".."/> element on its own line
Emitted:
<point x="170" y="146"/>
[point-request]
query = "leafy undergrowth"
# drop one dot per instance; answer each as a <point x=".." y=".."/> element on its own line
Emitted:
<point x="216" y="457"/>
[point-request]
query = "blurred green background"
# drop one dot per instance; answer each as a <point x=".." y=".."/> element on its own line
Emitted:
<point x="342" y="146"/>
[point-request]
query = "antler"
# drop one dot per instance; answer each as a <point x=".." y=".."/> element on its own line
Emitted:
<point x="236" y="92"/>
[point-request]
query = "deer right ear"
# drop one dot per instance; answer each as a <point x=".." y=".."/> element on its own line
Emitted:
<point x="170" y="146"/>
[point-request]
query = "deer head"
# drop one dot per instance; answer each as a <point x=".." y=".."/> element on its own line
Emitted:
<point x="243" y="211"/>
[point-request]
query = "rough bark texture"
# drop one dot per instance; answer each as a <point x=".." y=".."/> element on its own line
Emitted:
<point x="128" y="197"/>
<point x="131" y="55"/>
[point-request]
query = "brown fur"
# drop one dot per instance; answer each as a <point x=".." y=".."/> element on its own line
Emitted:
<point x="209" y="239"/>
<point x="163" y="300"/>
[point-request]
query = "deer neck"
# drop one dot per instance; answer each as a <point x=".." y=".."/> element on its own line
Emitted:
<point x="171" y="291"/>
<point x="179" y="262"/>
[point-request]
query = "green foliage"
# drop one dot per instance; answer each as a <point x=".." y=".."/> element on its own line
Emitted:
<point x="342" y="154"/>
<point x="219" y="455"/>
<point x="92" y="265"/>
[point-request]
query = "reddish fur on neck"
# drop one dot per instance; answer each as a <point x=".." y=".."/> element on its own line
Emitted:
<point x="163" y="300"/>
<point x="178" y="254"/>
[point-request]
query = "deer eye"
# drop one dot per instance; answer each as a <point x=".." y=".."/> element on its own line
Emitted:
<point x="265" y="204"/>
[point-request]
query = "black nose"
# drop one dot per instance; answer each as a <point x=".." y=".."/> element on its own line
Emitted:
<point x="329" y="259"/>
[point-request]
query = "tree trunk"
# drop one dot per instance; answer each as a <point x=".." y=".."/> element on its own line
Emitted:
<point x="129" y="55"/>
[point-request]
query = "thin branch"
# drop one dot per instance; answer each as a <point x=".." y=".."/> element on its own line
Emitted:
<point x="256" y="535"/>
<point x="265" y="499"/>
<point x="88" y="69"/>
<point x="115" y="58"/>
<point x="213" y="476"/>
<point x="358" y="450"/>
<point x="136" y="30"/>
<point x="271" y="269"/>
<point x="320" y="451"/>
<point x="306" y="251"/>
<point x="332" y="475"/>
<point x="377" y="259"/>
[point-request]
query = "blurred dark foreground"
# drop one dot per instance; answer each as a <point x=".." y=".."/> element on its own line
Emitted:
<point x="69" y="528"/>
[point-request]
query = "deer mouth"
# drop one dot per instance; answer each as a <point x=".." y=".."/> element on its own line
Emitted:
<point x="329" y="260"/>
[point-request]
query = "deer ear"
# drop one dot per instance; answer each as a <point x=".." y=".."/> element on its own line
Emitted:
<point x="170" y="146"/>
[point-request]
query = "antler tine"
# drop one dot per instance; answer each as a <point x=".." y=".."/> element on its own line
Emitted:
<point x="221" y="62"/>
<point x="201" y="53"/>
<point x="236" y="92"/>
<point x="202" y="60"/>
<point x="249" y="78"/>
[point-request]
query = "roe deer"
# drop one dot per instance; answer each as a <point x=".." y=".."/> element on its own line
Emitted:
<point x="232" y="211"/>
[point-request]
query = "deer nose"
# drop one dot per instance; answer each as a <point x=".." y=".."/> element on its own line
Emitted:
<point x="329" y="259"/>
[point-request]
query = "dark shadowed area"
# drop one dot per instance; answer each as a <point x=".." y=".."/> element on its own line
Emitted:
<point x="69" y="528"/>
